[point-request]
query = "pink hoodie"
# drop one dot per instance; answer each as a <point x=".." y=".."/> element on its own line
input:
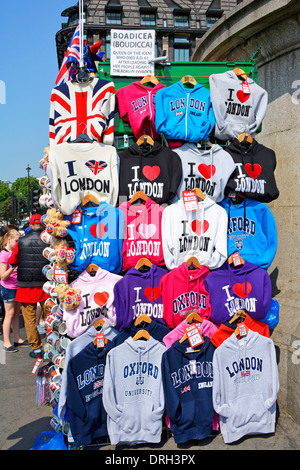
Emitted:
<point x="97" y="294"/>
<point x="183" y="292"/>
<point x="136" y="104"/>
<point x="206" y="327"/>
<point x="142" y="233"/>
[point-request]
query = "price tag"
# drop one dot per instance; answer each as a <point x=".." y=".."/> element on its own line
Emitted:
<point x="245" y="88"/>
<point x="242" y="329"/>
<point x="100" y="338"/>
<point x="236" y="259"/>
<point x="190" y="201"/>
<point x="194" y="336"/>
<point x="36" y="365"/>
<point x="60" y="274"/>
<point x="76" y="216"/>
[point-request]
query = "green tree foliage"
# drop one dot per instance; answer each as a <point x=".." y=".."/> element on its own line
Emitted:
<point x="20" y="186"/>
<point x="5" y="192"/>
<point x="6" y="208"/>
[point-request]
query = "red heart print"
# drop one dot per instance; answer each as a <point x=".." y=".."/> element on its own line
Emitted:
<point x="151" y="172"/>
<point x="241" y="96"/>
<point x="253" y="172"/>
<point x="101" y="298"/>
<point x="239" y="289"/>
<point x="155" y="292"/>
<point x="98" y="230"/>
<point x="207" y="171"/>
<point x="199" y="227"/>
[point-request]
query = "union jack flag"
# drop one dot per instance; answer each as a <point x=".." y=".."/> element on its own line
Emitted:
<point x="244" y="374"/>
<point x="96" y="167"/>
<point x="76" y="109"/>
<point x="72" y="55"/>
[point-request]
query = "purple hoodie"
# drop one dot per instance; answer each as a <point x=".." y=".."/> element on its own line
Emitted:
<point x="137" y="293"/>
<point x="246" y="287"/>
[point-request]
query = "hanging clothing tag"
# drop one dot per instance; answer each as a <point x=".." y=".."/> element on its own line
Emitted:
<point x="100" y="340"/>
<point x="193" y="334"/>
<point x="242" y="329"/>
<point x="245" y="88"/>
<point x="236" y="259"/>
<point x="190" y="201"/>
<point x="76" y="216"/>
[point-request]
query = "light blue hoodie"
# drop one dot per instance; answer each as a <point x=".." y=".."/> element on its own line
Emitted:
<point x="184" y="113"/>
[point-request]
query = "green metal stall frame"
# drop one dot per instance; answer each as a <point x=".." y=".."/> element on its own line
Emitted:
<point x="169" y="73"/>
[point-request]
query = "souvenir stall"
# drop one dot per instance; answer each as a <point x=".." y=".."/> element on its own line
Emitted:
<point x="159" y="236"/>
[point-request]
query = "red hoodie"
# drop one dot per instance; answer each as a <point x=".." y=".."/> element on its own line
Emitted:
<point x="183" y="292"/>
<point x="142" y="233"/>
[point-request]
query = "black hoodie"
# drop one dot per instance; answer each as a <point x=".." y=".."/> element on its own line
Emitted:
<point x="254" y="175"/>
<point x="156" y="170"/>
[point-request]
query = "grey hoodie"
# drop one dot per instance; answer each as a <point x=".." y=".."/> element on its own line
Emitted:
<point x="245" y="386"/>
<point x="133" y="394"/>
<point x="208" y="170"/>
<point x="236" y="112"/>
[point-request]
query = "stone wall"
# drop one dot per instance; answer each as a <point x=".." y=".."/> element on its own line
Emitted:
<point x="273" y="27"/>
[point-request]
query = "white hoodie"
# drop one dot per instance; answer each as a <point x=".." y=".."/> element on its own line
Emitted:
<point x="245" y="385"/>
<point x="208" y="169"/>
<point x="201" y="233"/>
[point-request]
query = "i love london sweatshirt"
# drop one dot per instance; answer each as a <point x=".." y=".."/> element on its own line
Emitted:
<point x="183" y="292"/>
<point x="245" y="287"/>
<point x="136" y="104"/>
<point x="97" y="234"/>
<point x="245" y="385"/>
<point x="235" y="111"/>
<point x="254" y="174"/>
<point x="184" y="113"/>
<point x="81" y="168"/>
<point x="208" y="170"/>
<point x="252" y="231"/>
<point x="133" y="394"/>
<point x="138" y="293"/>
<point x="142" y="233"/>
<point x="201" y="233"/>
<point x="156" y="170"/>
<point x="97" y="294"/>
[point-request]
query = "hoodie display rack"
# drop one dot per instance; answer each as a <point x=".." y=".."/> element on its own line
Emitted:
<point x="169" y="74"/>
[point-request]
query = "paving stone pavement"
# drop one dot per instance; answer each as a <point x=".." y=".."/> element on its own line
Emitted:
<point x="22" y="420"/>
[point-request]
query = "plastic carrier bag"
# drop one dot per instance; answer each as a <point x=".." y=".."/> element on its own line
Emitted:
<point x="49" y="440"/>
<point x="272" y="317"/>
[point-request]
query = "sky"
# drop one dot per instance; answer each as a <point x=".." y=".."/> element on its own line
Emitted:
<point x="28" y="70"/>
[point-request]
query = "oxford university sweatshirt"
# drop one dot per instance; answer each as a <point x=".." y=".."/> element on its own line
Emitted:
<point x="156" y="170"/>
<point x="208" y="170"/>
<point x="81" y="168"/>
<point x="254" y="171"/>
<point x="245" y="385"/>
<point x="201" y="233"/>
<point x="133" y="394"/>
<point x="236" y="112"/>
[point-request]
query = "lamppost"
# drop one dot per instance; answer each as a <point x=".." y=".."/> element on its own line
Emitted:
<point x="28" y="196"/>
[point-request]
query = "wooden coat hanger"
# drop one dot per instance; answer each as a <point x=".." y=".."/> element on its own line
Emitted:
<point x="138" y="195"/>
<point x="89" y="198"/>
<point x="199" y="193"/>
<point x="142" y="334"/>
<point x="143" y="262"/>
<point x="149" y="79"/>
<point x="191" y="317"/>
<point x="193" y="262"/>
<point x="189" y="80"/>
<point x="239" y="314"/>
<point x="145" y="139"/>
<point x="142" y="318"/>
<point x="240" y="73"/>
<point x="245" y="137"/>
<point x="99" y="323"/>
<point x="92" y="269"/>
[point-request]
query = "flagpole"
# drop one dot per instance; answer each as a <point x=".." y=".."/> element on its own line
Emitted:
<point x="81" y="31"/>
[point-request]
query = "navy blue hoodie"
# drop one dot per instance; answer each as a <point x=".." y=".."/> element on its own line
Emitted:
<point x="84" y="394"/>
<point x="189" y="396"/>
